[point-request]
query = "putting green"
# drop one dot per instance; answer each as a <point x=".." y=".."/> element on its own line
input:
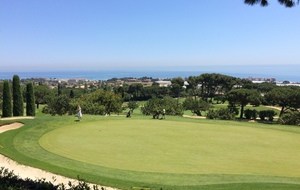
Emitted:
<point x="178" y="147"/>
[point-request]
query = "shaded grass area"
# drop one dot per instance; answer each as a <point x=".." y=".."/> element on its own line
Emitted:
<point x="24" y="146"/>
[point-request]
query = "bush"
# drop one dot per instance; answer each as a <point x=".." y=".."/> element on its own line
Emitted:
<point x="222" y="114"/>
<point x="267" y="113"/>
<point x="290" y="118"/>
<point x="225" y="114"/>
<point x="250" y="114"/>
<point x="8" y="180"/>
<point x="211" y="114"/>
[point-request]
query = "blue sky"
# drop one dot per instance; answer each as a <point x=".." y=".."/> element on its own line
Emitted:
<point x="145" y="34"/>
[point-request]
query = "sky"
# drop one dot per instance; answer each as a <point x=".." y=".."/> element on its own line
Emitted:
<point x="146" y="34"/>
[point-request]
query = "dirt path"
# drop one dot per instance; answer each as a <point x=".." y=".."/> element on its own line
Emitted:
<point x="194" y="116"/>
<point x="34" y="173"/>
<point x="19" y="117"/>
<point x="274" y="107"/>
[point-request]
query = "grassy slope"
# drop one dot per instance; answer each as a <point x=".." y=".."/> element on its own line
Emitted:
<point x="26" y="142"/>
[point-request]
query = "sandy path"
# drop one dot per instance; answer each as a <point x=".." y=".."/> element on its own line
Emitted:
<point x="19" y="117"/>
<point x="34" y="173"/>
<point x="194" y="116"/>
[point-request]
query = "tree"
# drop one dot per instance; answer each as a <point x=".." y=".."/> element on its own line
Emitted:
<point x="132" y="105"/>
<point x="59" y="87"/>
<point x="1" y="94"/>
<point x="72" y="95"/>
<point x="30" y="103"/>
<point x="243" y="97"/>
<point x="59" y="105"/>
<point x="286" y="97"/>
<point x="286" y="3"/>
<point x="135" y="90"/>
<point x="42" y="94"/>
<point x="177" y="84"/>
<point x="265" y="87"/>
<point x="18" y="109"/>
<point x="6" y="106"/>
<point x="196" y="105"/>
<point x="99" y="102"/>
<point x="193" y="83"/>
<point x="171" y="106"/>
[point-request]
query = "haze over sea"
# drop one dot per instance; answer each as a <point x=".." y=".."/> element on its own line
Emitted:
<point x="281" y="73"/>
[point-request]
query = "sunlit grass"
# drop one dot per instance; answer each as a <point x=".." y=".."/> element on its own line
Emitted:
<point x="177" y="153"/>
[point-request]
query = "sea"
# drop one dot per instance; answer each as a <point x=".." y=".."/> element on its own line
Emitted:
<point x="291" y="74"/>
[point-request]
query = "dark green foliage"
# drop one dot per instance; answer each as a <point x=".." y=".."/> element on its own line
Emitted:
<point x="59" y="105"/>
<point x="214" y="83"/>
<point x="250" y="114"/>
<point x="136" y="91"/>
<point x="99" y="102"/>
<point x="6" y="106"/>
<point x="243" y="97"/>
<point x="59" y="89"/>
<point x="286" y="97"/>
<point x="176" y="87"/>
<point x="265" y="87"/>
<point x="10" y="181"/>
<point x="222" y="114"/>
<point x="18" y="109"/>
<point x="42" y="94"/>
<point x="286" y="3"/>
<point x="211" y="114"/>
<point x="72" y="95"/>
<point x="267" y="114"/>
<point x="233" y="108"/>
<point x="195" y="105"/>
<point x="171" y="105"/>
<point x="30" y="105"/>
<point x="290" y="118"/>
<point x="132" y="105"/>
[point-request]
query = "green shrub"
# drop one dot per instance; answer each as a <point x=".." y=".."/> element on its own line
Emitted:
<point x="250" y="114"/>
<point x="267" y="113"/>
<point x="222" y="114"/>
<point x="211" y="114"/>
<point x="290" y="118"/>
<point x="8" y="180"/>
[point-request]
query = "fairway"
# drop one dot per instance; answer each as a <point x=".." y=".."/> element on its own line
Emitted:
<point x="178" y="147"/>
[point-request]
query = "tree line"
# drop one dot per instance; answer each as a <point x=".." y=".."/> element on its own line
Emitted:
<point x="13" y="104"/>
<point x="197" y="94"/>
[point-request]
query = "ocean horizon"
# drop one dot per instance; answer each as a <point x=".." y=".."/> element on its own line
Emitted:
<point x="163" y="74"/>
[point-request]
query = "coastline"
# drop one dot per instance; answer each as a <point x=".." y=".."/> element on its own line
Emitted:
<point x="164" y="74"/>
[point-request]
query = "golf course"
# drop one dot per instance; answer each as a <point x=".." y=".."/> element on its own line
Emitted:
<point x="145" y="153"/>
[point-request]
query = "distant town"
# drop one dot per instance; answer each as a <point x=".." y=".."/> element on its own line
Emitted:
<point x="145" y="81"/>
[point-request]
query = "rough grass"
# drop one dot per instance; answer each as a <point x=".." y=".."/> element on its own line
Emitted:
<point x="177" y="153"/>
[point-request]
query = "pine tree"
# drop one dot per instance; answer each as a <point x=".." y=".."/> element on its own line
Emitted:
<point x="6" y="106"/>
<point x="18" y="109"/>
<point x="30" y="105"/>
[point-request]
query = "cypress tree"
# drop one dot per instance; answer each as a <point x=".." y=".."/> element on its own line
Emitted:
<point x="59" y="89"/>
<point x="6" y="106"/>
<point x="30" y="105"/>
<point x="18" y="109"/>
<point x="72" y="95"/>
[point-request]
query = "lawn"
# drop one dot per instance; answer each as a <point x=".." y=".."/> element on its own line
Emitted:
<point x="176" y="153"/>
